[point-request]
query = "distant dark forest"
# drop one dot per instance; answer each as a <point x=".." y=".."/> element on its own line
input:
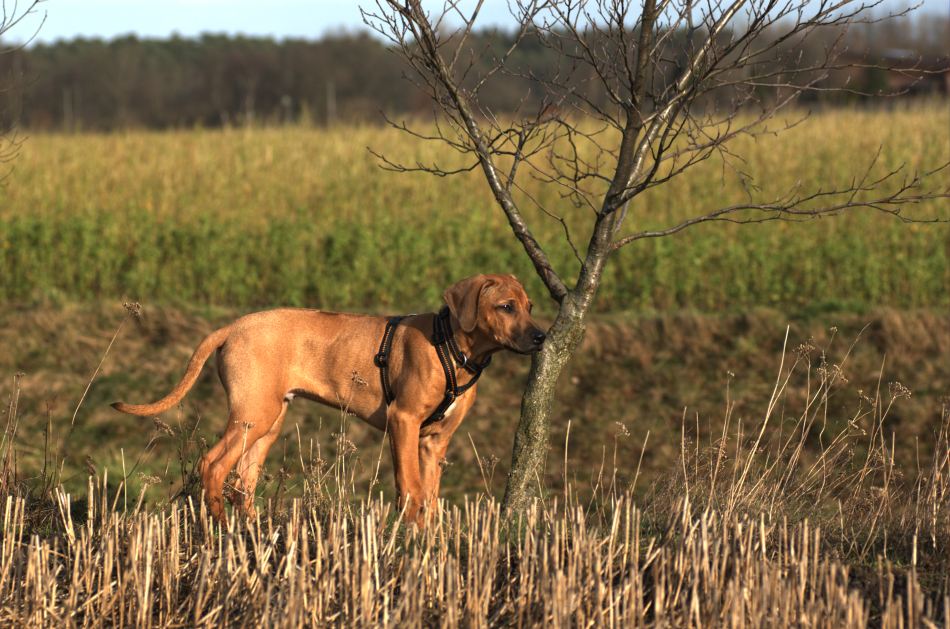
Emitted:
<point x="217" y="80"/>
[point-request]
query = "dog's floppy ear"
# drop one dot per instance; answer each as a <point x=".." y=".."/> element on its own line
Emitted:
<point x="462" y="299"/>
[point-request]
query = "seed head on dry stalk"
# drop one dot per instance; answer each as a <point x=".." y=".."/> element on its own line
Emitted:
<point x="898" y="390"/>
<point x="134" y="308"/>
<point x="162" y="427"/>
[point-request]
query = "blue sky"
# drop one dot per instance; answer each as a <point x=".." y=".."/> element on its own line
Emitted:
<point x="161" y="18"/>
<point x="278" y="18"/>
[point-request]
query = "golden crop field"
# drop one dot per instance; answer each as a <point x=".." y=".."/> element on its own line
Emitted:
<point x="304" y="216"/>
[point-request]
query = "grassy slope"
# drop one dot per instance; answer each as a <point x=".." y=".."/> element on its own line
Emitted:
<point x="640" y="371"/>
<point x="303" y="216"/>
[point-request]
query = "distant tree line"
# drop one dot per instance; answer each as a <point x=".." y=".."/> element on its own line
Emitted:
<point x="219" y="80"/>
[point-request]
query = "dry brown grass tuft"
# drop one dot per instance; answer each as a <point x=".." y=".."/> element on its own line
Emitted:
<point x="701" y="552"/>
<point x="554" y="566"/>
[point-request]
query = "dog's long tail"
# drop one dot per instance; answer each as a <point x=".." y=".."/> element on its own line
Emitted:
<point x="211" y="342"/>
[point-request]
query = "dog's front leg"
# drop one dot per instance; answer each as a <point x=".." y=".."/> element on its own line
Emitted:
<point x="404" y="440"/>
<point x="432" y="450"/>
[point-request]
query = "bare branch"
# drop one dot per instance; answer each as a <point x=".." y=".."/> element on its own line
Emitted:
<point x="429" y="62"/>
<point x="642" y="91"/>
<point x="11" y="18"/>
<point x="10" y="140"/>
<point x="795" y="206"/>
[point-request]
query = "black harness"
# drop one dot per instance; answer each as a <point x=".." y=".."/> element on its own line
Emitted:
<point x="445" y="348"/>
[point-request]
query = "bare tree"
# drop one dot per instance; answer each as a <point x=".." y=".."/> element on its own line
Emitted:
<point x="644" y="91"/>
<point x="13" y="15"/>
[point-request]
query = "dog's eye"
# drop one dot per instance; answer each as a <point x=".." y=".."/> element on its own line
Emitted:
<point x="507" y="307"/>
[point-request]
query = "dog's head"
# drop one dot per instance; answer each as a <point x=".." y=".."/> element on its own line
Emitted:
<point x="497" y="308"/>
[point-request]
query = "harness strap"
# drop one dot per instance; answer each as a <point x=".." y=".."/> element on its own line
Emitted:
<point x="447" y="351"/>
<point x="382" y="358"/>
<point x="442" y="335"/>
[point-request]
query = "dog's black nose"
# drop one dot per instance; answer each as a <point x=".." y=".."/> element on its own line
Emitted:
<point x="538" y="337"/>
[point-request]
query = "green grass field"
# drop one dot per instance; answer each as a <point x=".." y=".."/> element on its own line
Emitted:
<point x="303" y="216"/>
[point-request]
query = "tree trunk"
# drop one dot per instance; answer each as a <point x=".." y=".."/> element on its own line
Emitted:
<point x="531" y="439"/>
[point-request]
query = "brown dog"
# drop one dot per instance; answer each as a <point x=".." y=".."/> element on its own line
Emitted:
<point x="268" y="358"/>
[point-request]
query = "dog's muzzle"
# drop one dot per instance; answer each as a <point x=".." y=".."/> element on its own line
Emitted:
<point x="535" y="341"/>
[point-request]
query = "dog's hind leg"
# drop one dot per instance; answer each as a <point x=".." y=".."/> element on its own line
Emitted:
<point x="249" y="421"/>
<point x="251" y="463"/>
